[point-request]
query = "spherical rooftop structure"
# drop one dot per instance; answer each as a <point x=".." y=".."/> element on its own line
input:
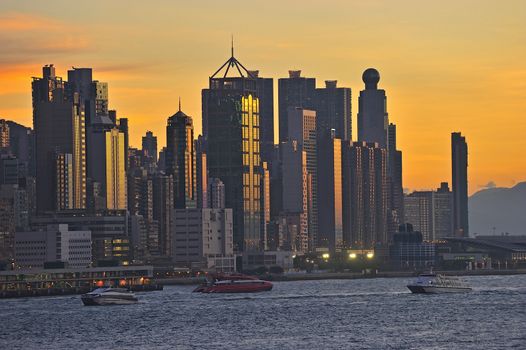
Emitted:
<point x="371" y="77"/>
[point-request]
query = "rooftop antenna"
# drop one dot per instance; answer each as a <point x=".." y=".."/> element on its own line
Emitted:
<point x="179" y="103"/>
<point x="232" y="45"/>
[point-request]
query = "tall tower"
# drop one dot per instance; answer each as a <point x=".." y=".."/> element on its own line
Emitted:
<point x="365" y="195"/>
<point x="330" y="215"/>
<point x="231" y="124"/>
<point x="59" y="123"/>
<point x="294" y="91"/>
<point x="149" y="146"/>
<point x="372" y="110"/>
<point x="180" y="159"/>
<point x="265" y="93"/>
<point x="116" y="188"/>
<point x="333" y="110"/>
<point x="302" y="129"/>
<point x="459" y="167"/>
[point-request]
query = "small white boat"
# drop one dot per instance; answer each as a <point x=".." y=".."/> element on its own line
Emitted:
<point x="109" y="296"/>
<point x="436" y="283"/>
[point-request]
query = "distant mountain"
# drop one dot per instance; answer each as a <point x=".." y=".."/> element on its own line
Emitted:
<point x="502" y="208"/>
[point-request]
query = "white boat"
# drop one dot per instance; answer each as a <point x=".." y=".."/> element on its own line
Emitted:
<point x="436" y="283"/>
<point x="109" y="296"/>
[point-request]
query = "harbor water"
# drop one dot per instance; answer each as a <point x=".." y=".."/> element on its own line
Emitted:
<point x="328" y="314"/>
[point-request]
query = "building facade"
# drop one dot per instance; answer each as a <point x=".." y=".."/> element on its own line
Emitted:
<point x="364" y="195"/>
<point x="56" y="244"/>
<point x="333" y="110"/>
<point x="203" y="238"/>
<point x="294" y="91"/>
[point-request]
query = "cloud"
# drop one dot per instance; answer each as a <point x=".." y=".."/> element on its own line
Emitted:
<point x="26" y="38"/>
<point x="13" y="22"/>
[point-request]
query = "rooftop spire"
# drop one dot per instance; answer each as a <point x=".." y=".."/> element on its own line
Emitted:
<point x="232" y="45"/>
<point x="179" y="103"/>
<point x="231" y="63"/>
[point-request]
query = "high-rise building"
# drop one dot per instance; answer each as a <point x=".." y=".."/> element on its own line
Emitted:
<point x="106" y="163"/>
<point x="4" y="134"/>
<point x="99" y="91"/>
<point x="7" y="229"/>
<point x="59" y="129"/>
<point x="372" y="110"/>
<point x="395" y="215"/>
<point x="302" y="128"/>
<point x="364" y="195"/>
<point x="294" y="91"/>
<point x="232" y="134"/>
<point x="115" y="183"/>
<point x="333" y="110"/>
<point x="265" y="204"/>
<point x="201" y="173"/>
<point x="163" y="203"/>
<point x="330" y="215"/>
<point x="216" y="194"/>
<point x="459" y="167"/>
<point x="430" y="212"/>
<point x="149" y="146"/>
<point x="80" y="82"/>
<point x="22" y="145"/>
<point x="122" y="124"/>
<point x="265" y="94"/>
<point x="294" y="218"/>
<point x="180" y="159"/>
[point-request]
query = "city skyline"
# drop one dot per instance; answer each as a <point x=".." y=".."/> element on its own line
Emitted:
<point x="458" y="81"/>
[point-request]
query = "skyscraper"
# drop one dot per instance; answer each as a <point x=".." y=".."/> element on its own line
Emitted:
<point x="149" y="146"/>
<point x="364" y="195"/>
<point x="459" y="167"/>
<point x="163" y="204"/>
<point x="296" y="197"/>
<point x="216" y="194"/>
<point x="232" y="133"/>
<point x="302" y="128"/>
<point x="201" y="173"/>
<point x="294" y="91"/>
<point x="180" y="159"/>
<point x="333" y="110"/>
<point x="372" y="110"/>
<point x="330" y="215"/>
<point x="115" y="183"/>
<point x="59" y="125"/>
<point x="395" y="215"/>
<point x="265" y="94"/>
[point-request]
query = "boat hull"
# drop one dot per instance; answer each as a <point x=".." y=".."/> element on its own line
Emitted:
<point x="98" y="300"/>
<point x="235" y="288"/>
<point x="437" y="290"/>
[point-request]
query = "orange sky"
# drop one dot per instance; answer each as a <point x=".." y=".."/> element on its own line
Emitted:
<point x="446" y="66"/>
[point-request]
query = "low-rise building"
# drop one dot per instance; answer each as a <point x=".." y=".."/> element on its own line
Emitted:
<point x="56" y="244"/>
<point x="408" y="249"/>
<point x="203" y="239"/>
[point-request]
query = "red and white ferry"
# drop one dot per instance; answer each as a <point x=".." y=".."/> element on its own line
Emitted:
<point x="234" y="283"/>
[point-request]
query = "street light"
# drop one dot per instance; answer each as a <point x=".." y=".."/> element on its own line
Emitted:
<point x="325" y="256"/>
<point x="352" y="256"/>
<point x="370" y="255"/>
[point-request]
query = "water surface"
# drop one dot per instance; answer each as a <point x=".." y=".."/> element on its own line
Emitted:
<point x="331" y="314"/>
